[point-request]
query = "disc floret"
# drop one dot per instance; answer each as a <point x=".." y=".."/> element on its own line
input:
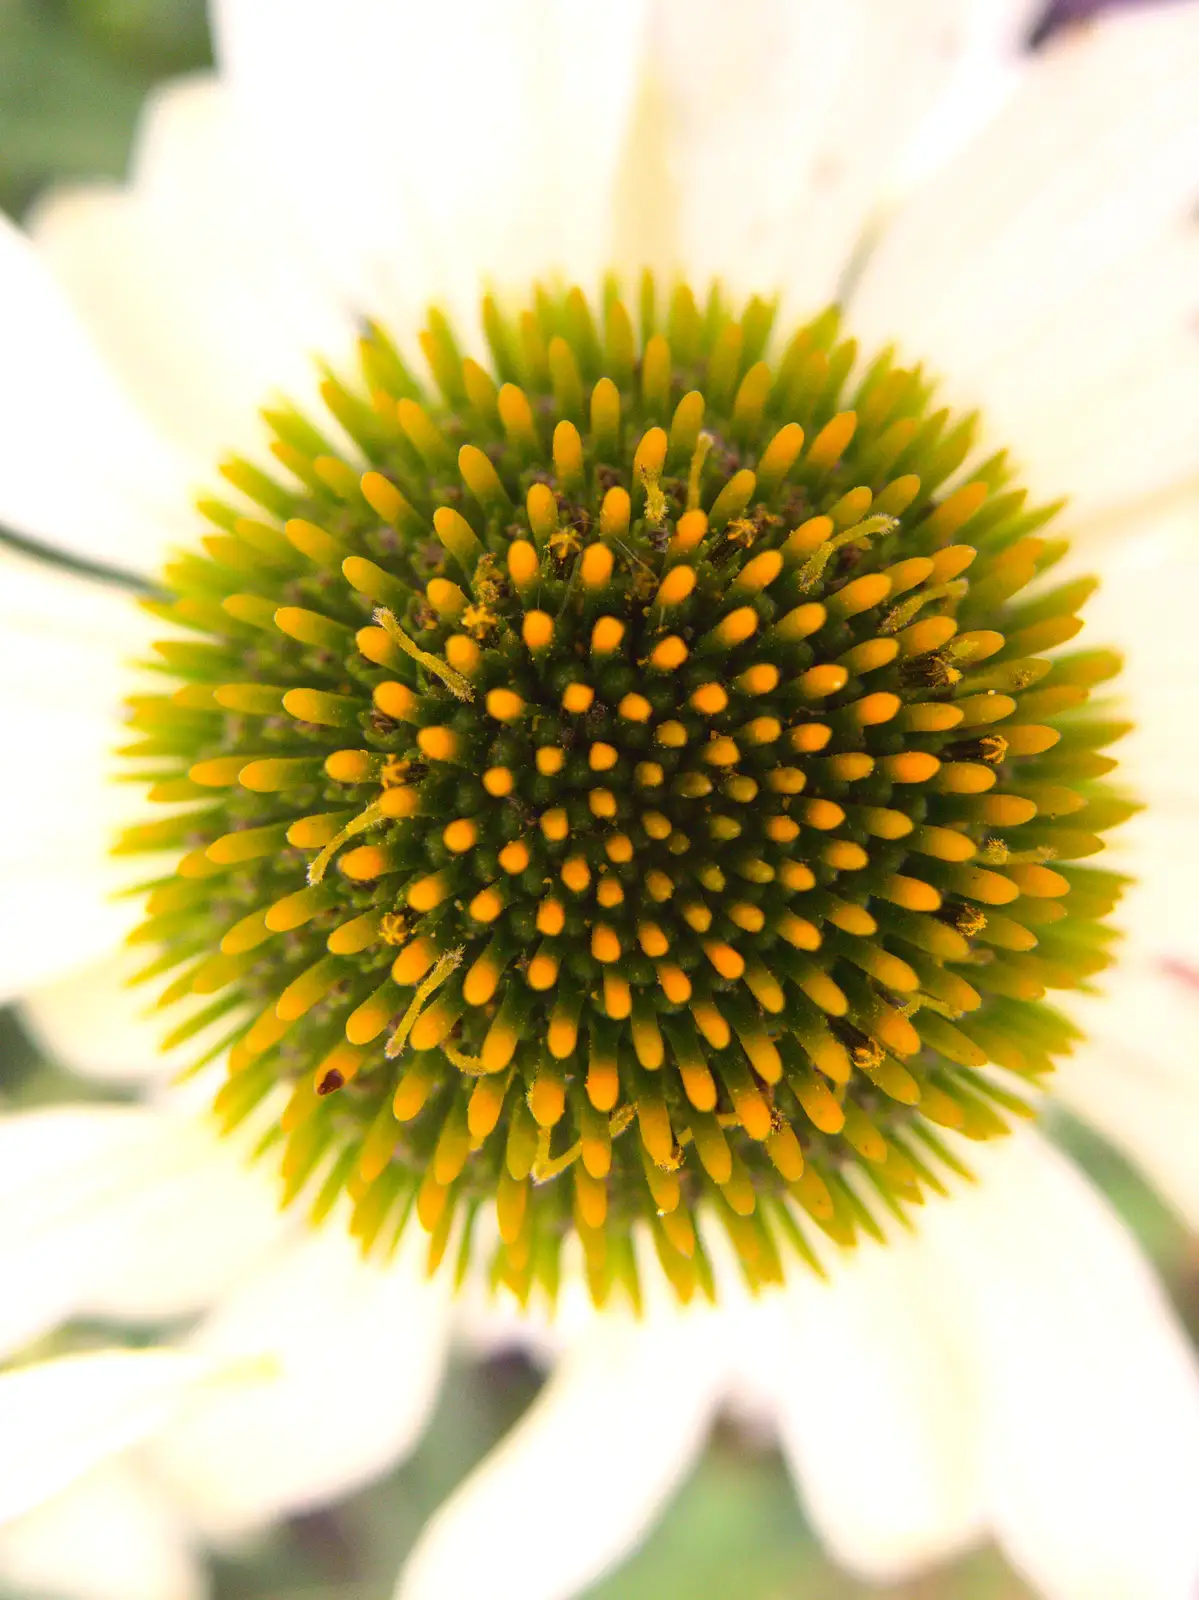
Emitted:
<point x="632" y="781"/>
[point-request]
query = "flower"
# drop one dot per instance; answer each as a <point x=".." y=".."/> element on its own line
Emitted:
<point x="251" y="274"/>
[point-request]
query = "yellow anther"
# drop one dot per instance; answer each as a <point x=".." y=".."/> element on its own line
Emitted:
<point x="759" y="573"/>
<point x="498" y="781"/>
<point x="537" y="630"/>
<point x="439" y="744"/>
<point x="759" y="679"/>
<point x="543" y="971"/>
<point x="575" y="874"/>
<point x="762" y="730"/>
<point x="689" y="532"/>
<point x="596" y="567"/>
<point x="614" y="514"/>
<point x="395" y="700"/>
<point x="721" y="753"/>
<point x="505" y="705"/>
<point x="829" y="444"/>
<point x="709" y="699"/>
<point x="577" y="698"/>
<point x="463" y="654"/>
<point x="817" y="683"/>
<point x="554" y="824"/>
<point x="524" y="565"/>
<point x="460" y="835"/>
<point x="727" y="962"/>
<point x="514" y="857"/>
<point x="668" y="654"/>
<point x="609" y="892"/>
<point x="446" y="598"/>
<point x="675" y="587"/>
<point x="606" y="636"/>
<point x="427" y="892"/>
<point x="487" y="904"/>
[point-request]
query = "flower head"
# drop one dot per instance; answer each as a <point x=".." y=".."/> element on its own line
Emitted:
<point x="644" y="786"/>
<point x="1009" y="1366"/>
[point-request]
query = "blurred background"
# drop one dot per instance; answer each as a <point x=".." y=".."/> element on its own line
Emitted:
<point x="73" y="75"/>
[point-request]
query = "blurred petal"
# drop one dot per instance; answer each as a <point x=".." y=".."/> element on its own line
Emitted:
<point x="357" y="1350"/>
<point x="528" y="103"/>
<point x="58" y="1419"/>
<point x="83" y="471"/>
<point x="1067" y="306"/>
<point x="109" y="1536"/>
<point x="759" y="156"/>
<point x="191" y="280"/>
<point x="97" y="1026"/>
<point x="1136" y="1077"/>
<point x="122" y="1211"/>
<point x="64" y="641"/>
<point x="877" y="1413"/>
<point x="574" y="1487"/>
<point x="1089" y="1391"/>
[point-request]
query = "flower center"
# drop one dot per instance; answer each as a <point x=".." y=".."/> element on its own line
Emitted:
<point x="644" y="791"/>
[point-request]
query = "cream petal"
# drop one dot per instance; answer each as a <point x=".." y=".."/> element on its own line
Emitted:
<point x="1136" y="1078"/>
<point x="192" y="280"/>
<point x="1089" y="1391"/>
<point x="110" y="1536"/>
<point x="877" y="1413"/>
<point x="59" y="920"/>
<point x="1146" y="607"/>
<point x="84" y="470"/>
<point x="577" y="1482"/>
<point x="64" y="641"/>
<point x="1066" y="307"/>
<point x="357" y="1350"/>
<point x="61" y="1418"/>
<point x="760" y="157"/>
<point x="122" y="1211"/>
<point x="503" y="129"/>
<point x="97" y="1026"/>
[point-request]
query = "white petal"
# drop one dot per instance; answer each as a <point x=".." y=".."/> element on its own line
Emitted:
<point x="877" y="1413"/>
<point x="1089" y="1389"/>
<point x="357" y="1349"/>
<point x="58" y="1419"/>
<point x="1136" y="1078"/>
<point x="122" y="1211"/>
<point x="95" y="1025"/>
<point x="499" y="136"/>
<point x="192" y="281"/>
<point x="60" y="920"/>
<point x="64" y="646"/>
<point x="110" y="1536"/>
<point x="84" y="471"/>
<point x="1146" y="607"/>
<point x="1066" y="306"/>
<point x="762" y="156"/>
<point x="581" y="1477"/>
